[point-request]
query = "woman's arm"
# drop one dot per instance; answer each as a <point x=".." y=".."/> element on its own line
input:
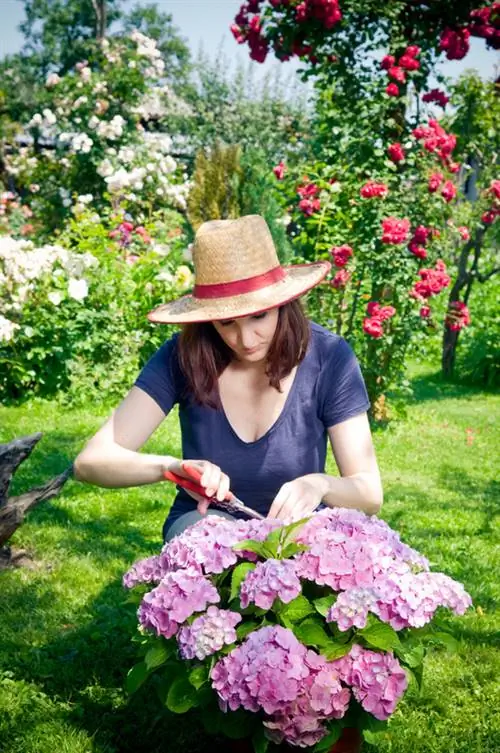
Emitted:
<point x="359" y="486"/>
<point x="111" y="456"/>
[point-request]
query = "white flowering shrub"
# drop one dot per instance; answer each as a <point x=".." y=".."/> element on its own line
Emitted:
<point x="73" y="314"/>
<point x="90" y="144"/>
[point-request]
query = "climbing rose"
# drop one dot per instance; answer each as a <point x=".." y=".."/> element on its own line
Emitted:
<point x="425" y="312"/>
<point x="309" y="206"/>
<point x="458" y="316"/>
<point x="464" y="232"/>
<point x="341" y="255"/>
<point x="437" y="96"/>
<point x="408" y="62"/>
<point x="208" y="633"/>
<point x="421" y="234"/>
<point x="489" y="217"/>
<point x="449" y="191"/>
<point x="396" y="152"/>
<point x="372" y="188"/>
<point x="412" y="51"/>
<point x="397" y="74"/>
<point x="432" y="281"/>
<point x="279" y="170"/>
<point x="308" y="190"/>
<point x="495" y="188"/>
<point x="387" y="62"/>
<point x="394" y="230"/>
<point x="373" y="327"/>
<point x="455" y="42"/>
<point x="435" y="181"/>
<point x="392" y="90"/>
<point x="341" y="278"/>
<point x="416" y="250"/>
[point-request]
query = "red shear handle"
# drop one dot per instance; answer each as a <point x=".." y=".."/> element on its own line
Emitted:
<point x="192" y="485"/>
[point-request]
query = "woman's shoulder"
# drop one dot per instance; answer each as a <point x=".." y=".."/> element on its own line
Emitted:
<point x="326" y="344"/>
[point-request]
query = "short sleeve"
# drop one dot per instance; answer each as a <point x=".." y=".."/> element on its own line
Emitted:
<point x="158" y="377"/>
<point x="342" y="390"/>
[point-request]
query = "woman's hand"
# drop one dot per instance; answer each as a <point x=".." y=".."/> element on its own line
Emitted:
<point x="297" y="499"/>
<point x="215" y="482"/>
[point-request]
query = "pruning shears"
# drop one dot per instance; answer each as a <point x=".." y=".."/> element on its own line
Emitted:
<point x="231" y="503"/>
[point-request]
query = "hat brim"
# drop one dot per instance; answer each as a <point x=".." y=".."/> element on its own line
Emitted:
<point x="298" y="279"/>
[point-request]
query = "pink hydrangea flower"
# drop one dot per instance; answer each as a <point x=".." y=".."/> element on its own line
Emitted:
<point x="272" y="579"/>
<point x="179" y="595"/>
<point x="208" y="633"/>
<point x="147" y="570"/>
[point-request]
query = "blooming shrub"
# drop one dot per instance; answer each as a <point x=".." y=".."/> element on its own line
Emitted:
<point x="299" y="630"/>
<point x="73" y="315"/>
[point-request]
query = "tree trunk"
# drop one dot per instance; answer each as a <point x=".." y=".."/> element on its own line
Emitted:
<point x="13" y="509"/>
<point x="100" y="15"/>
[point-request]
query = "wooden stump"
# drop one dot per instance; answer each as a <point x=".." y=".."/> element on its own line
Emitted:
<point x="13" y="509"/>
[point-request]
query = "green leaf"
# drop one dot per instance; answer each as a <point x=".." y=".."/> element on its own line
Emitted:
<point x="238" y="724"/>
<point x="240" y="572"/>
<point x="324" y="604"/>
<point x="245" y="628"/>
<point x="259" y="740"/>
<point x="413" y="657"/>
<point x="248" y="545"/>
<point x="156" y="656"/>
<point x="292" y="549"/>
<point x="291" y="530"/>
<point x="335" y="650"/>
<point x="181" y="696"/>
<point x="297" y="609"/>
<point x="326" y="742"/>
<point x="272" y="541"/>
<point x="135" y="677"/>
<point x="380" y="635"/>
<point x="311" y="633"/>
<point x="198" y="676"/>
<point x="444" y="639"/>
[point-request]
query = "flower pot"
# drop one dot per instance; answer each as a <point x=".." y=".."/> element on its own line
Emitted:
<point x="349" y="742"/>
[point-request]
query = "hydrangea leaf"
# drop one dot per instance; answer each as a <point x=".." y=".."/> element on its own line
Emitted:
<point x="311" y="633"/>
<point x="239" y="574"/>
<point x="335" y="650"/>
<point x="259" y="740"/>
<point x="324" y="604"/>
<point x="181" y="696"/>
<point x="135" y="677"/>
<point x="198" y="676"/>
<point x="380" y="635"/>
<point x="297" y="609"/>
<point x="248" y="545"/>
<point x="328" y="740"/>
<point x="156" y="656"/>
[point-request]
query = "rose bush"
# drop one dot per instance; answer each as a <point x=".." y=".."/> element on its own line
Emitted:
<point x="288" y="633"/>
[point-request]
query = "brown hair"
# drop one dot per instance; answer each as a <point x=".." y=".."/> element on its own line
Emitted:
<point x="203" y="355"/>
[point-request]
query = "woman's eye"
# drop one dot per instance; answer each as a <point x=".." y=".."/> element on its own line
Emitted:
<point x="260" y="316"/>
<point x="226" y="323"/>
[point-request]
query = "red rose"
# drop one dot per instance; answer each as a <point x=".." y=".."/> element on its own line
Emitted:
<point x="308" y="190"/>
<point x="495" y="188"/>
<point x="392" y="90"/>
<point x="489" y="217"/>
<point x="396" y="152"/>
<point x="373" y="308"/>
<point x="425" y="312"/>
<point x="421" y="234"/>
<point x="394" y="230"/>
<point x="238" y="33"/>
<point x="418" y="251"/>
<point x="397" y="74"/>
<point x="454" y="167"/>
<point x="386" y="312"/>
<point x="449" y="191"/>
<point x="279" y="170"/>
<point x="464" y="232"/>
<point x="373" y="327"/>
<point x="436" y="95"/>
<point x="409" y="63"/>
<point x="372" y="188"/>
<point x="458" y="316"/>
<point x="435" y="181"/>
<point x="412" y="51"/>
<point x="387" y="62"/>
<point x="341" y="255"/>
<point x="341" y="278"/>
<point x="455" y="42"/>
<point x="309" y="206"/>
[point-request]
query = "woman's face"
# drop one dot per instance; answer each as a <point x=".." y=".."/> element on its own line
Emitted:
<point x="249" y="337"/>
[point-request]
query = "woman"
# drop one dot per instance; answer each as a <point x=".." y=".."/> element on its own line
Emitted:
<point x="259" y="388"/>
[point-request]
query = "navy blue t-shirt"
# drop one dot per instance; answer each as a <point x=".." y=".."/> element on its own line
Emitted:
<point x="328" y="388"/>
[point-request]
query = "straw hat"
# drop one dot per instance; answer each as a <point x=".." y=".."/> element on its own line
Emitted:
<point x="237" y="273"/>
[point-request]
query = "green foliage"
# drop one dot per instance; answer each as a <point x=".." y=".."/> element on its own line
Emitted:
<point x="216" y="179"/>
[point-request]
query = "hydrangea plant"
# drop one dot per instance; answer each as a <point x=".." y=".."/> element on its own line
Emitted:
<point x="288" y="633"/>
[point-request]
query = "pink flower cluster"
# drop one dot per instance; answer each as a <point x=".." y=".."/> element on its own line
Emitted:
<point x="377" y="314"/>
<point x="485" y="23"/>
<point x="279" y="170"/>
<point x="326" y="12"/>
<point x="377" y="680"/>
<point x="246" y="29"/>
<point x="455" y="42"/>
<point x="448" y="189"/>
<point x="395" y="230"/>
<point x="309" y="203"/>
<point x="373" y="188"/>
<point x="340" y="279"/>
<point x="396" y="152"/>
<point x="148" y="570"/>
<point x="208" y="633"/>
<point x="491" y="214"/>
<point x="435" y="139"/>
<point x="294" y="686"/>
<point x="457" y="316"/>
<point x="179" y="595"/>
<point x="124" y="233"/>
<point x="437" y="96"/>
<point x="270" y="580"/>
<point x="397" y="71"/>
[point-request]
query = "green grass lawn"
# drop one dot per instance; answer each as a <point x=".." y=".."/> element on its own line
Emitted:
<point x="65" y="624"/>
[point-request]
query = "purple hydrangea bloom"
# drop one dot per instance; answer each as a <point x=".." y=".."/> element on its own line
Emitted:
<point x="144" y="571"/>
<point x="179" y="595"/>
<point x="208" y="633"/>
<point x="352" y="607"/>
<point x="270" y="580"/>
<point x="272" y="671"/>
<point x="377" y="679"/>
